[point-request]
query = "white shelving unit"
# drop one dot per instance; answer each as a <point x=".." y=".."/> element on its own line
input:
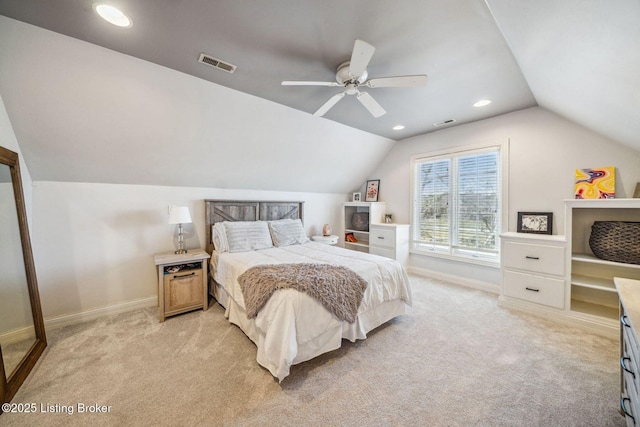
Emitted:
<point x="591" y="294"/>
<point x="559" y="277"/>
<point x="376" y="216"/>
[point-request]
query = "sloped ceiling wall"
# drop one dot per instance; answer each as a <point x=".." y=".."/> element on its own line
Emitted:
<point x="88" y="114"/>
<point x="581" y="59"/>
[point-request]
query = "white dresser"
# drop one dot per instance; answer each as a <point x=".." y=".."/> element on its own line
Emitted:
<point x="533" y="269"/>
<point x="390" y="240"/>
<point x="629" y="293"/>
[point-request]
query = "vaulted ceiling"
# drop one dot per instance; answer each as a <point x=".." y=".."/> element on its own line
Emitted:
<point x="578" y="58"/>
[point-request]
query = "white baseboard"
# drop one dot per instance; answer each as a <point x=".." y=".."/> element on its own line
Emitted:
<point x="17" y="335"/>
<point x="458" y="280"/>
<point x="72" y="319"/>
<point x="597" y="325"/>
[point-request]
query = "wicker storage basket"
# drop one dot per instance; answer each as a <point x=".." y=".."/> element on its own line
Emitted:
<point x="617" y="241"/>
<point x="360" y="221"/>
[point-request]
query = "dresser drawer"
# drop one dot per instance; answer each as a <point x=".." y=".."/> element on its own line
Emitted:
<point x="535" y="258"/>
<point x="631" y="353"/>
<point x="538" y="289"/>
<point x="385" y="252"/>
<point x="382" y="237"/>
<point x="629" y="366"/>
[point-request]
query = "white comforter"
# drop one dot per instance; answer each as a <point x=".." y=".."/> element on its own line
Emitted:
<point x="293" y="327"/>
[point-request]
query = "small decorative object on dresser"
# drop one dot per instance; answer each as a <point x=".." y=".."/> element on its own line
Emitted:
<point x="373" y="186"/>
<point x="326" y="230"/>
<point x="535" y="222"/>
<point x="356" y="197"/>
<point x="636" y="194"/>
<point x="387" y="218"/>
<point x="182" y="282"/>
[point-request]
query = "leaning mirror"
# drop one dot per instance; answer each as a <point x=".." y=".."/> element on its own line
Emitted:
<point x="22" y="335"/>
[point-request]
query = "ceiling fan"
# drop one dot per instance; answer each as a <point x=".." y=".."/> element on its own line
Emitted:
<point x="353" y="74"/>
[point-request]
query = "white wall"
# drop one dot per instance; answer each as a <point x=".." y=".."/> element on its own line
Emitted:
<point x="14" y="294"/>
<point x="545" y="150"/>
<point x="94" y="243"/>
<point x="8" y="140"/>
<point x="83" y="113"/>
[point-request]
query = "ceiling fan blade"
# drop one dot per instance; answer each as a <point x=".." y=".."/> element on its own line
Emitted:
<point x="370" y="104"/>
<point x="330" y="103"/>
<point x="360" y="57"/>
<point x="401" y="81"/>
<point x="302" y="83"/>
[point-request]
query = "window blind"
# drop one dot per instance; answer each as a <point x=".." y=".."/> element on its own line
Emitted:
<point x="457" y="203"/>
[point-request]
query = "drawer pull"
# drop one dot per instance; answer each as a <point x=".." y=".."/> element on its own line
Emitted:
<point x="623" y="320"/>
<point x="184" y="275"/>
<point x="380" y="237"/>
<point x="622" y="364"/>
<point x="624" y="408"/>
<point x="532" y="257"/>
<point x="532" y="289"/>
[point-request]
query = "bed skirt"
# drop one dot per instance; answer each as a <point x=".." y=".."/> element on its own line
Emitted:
<point x="327" y="341"/>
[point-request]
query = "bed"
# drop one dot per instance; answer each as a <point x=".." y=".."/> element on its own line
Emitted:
<point x="293" y="327"/>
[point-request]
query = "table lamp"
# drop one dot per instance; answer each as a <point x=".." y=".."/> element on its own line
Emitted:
<point x="180" y="215"/>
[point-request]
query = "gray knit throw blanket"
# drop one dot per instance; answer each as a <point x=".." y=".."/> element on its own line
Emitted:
<point x="337" y="288"/>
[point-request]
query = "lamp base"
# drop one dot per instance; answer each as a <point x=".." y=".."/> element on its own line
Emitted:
<point x="181" y="251"/>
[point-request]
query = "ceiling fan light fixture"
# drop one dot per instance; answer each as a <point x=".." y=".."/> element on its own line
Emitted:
<point x="353" y="74"/>
<point x="482" y="103"/>
<point x="113" y="15"/>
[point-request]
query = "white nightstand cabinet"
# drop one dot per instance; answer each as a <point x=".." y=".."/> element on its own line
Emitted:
<point x="533" y="270"/>
<point x="390" y="240"/>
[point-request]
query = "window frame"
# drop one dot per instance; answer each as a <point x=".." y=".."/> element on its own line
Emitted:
<point x="502" y="146"/>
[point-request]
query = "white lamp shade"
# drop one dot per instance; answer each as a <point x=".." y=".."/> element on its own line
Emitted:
<point x="179" y="215"/>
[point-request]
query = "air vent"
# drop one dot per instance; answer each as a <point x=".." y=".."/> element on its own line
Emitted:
<point x="446" y="122"/>
<point x="216" y="63"/>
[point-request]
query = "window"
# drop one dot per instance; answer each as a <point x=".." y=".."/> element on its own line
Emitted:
<point x="458" y="203"/>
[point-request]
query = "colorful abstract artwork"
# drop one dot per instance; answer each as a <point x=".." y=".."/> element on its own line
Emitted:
<point x="597" y="183"/>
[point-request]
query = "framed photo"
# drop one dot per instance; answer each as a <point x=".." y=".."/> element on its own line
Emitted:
<point x="371" y="194"/>
<point x="636" y="194"/>
<point x="535" y="222"/>
<point x="357" y="197"/>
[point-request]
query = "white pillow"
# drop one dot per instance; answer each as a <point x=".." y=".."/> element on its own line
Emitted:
<point x="285" y="232"/>
<point x="219" y="237"/>
<point x="245" y="236"/>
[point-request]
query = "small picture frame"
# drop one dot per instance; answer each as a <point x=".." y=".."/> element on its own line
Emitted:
<point x="535" y="222"/>
<point x="357" y="197"/>
<point x="636" y="194"/>
<point x="372" y="190"/>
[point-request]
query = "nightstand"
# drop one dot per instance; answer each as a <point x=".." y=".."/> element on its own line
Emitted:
<point x="390" y="240"/>
<point x="327" y="240"/>
<point x="182" y="282"/>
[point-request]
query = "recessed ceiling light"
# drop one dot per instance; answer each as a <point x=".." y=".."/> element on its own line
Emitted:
<point x="482" y="103"/>
<point x="113" y="15"/>
<point x="398" y="127"/>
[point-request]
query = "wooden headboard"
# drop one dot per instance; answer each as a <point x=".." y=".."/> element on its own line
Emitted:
<point x="246" y="210"/>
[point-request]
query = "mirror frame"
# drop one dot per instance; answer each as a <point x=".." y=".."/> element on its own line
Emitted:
<point x="10" y="382"/>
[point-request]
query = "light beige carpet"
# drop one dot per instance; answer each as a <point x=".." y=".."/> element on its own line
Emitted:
<point x="456" y="359"/>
